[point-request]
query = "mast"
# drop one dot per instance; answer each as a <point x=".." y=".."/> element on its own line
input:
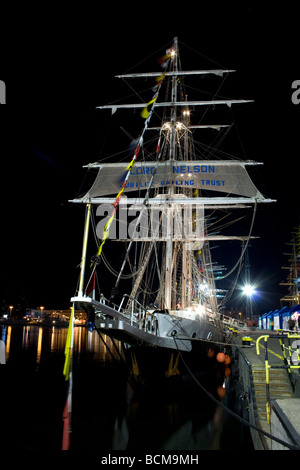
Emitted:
<point x="292" y="281"/>
<point x="172" y="155"/>
<point x="174" y="56"/>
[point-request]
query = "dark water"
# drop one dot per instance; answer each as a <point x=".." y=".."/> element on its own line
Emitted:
<point x="107" y="414"/>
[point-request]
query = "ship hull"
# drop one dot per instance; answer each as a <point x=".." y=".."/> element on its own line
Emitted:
<point x="157" y="346"/>
<point x="158" y="330"/>
<point x="134" y="336"/>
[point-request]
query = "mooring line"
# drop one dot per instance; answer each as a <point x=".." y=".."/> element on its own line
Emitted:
<point x="232" y="413"/>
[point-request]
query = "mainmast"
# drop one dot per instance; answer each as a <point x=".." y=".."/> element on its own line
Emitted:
<point x="174" y="58"/>
<point x="172" y="156"/>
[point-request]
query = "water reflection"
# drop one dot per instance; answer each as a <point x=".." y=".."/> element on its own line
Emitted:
<point x="6" y="337"/>
<point x="176" y="417"/>
<point x="179" y="436"/>
<point x="39" y="345"/>
<point x="161" y="418"/>
<point x="47" y="339"/>
<point x="204" y="437"/>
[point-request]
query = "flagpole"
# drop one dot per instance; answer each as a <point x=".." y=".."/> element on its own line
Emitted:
<point x="84" y="248"/>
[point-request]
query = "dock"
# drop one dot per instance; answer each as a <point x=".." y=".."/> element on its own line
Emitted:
<point x="268" y="372"/>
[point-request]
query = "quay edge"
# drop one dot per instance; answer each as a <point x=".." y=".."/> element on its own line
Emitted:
<point x="284" y="419"/>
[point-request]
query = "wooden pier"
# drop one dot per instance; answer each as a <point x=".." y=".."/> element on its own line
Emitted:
<point x="268" y="375"/>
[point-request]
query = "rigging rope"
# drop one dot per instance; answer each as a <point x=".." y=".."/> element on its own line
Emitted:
<point x="147" y="114"/>
<point x="159" y="151"/>
<point x="244" y="248"/>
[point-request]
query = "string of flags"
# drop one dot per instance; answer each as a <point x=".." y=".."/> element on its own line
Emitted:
<point x="145" y="114"/>
<point x="67" y="370"/>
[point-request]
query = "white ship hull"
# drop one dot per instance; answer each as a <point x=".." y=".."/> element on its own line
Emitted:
<point x="164" y="330"/>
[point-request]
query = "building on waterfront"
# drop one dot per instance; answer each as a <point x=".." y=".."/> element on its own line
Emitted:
<point x="40" y="314"/>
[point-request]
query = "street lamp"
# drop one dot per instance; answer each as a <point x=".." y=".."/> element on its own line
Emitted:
<point x="41" y="308"/>
<point x="10" y="310"/>
<point x="248" y="290"/>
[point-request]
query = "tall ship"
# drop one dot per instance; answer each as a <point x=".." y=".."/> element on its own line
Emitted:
<point x="292" y="281"/>
<point x="163" y="205"/>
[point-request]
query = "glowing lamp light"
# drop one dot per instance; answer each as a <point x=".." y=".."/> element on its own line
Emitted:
<point x="248" y="290"/>
<point x="179" y="125"/>
<point x="200" y="309"/>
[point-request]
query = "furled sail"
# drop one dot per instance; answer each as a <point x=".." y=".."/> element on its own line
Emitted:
<point x="230" y="177"/>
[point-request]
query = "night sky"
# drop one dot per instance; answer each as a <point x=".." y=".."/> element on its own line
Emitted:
<point x="59" y="65"/>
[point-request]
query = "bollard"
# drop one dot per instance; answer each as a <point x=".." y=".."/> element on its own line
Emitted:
<point x="246" y="340"/>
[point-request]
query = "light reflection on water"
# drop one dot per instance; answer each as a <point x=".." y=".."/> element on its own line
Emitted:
<point x="33" y="389"/>
<point x="43" y="339"/>
<point x="106" y="414"/>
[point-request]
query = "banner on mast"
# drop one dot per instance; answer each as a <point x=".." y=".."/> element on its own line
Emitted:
<point x="229" y="177"/>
